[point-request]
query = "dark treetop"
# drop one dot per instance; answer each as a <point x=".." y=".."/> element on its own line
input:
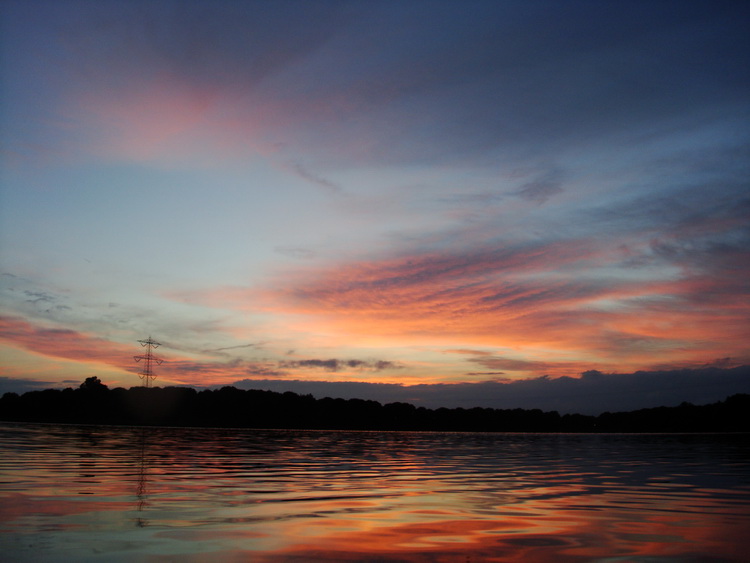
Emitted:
<point x="94" y="403"/>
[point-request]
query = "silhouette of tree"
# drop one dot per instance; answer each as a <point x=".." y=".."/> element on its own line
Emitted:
<point x="94" y="403"/>
<point x="93" y="384"/>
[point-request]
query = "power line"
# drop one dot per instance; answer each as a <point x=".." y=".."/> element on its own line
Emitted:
<point x="147" y="375"/>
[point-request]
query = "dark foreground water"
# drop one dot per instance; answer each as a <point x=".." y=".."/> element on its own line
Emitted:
<point x="76" y="493"/>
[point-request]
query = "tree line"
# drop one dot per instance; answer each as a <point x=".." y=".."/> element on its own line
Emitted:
<point x="94" y="403"/>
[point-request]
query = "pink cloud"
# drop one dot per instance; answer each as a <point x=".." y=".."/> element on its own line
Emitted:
<point x="549" y="302"/>
<point x="157" y="119"/>
<point x="64" y="343"/>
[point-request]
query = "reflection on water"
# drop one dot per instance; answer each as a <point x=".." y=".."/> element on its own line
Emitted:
<point x="81" y="493"/>
<point x="142" y="474"/>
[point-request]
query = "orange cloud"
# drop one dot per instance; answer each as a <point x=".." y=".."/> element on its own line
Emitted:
<point x="70" y="345"/>
<point x="554" y="304"/>
<point x="64" y="343"/>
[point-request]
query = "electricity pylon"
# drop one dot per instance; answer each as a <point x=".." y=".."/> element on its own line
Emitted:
<point x="148" y="358"/>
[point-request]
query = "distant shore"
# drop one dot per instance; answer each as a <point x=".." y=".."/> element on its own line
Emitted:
<point x="94" y="403"/>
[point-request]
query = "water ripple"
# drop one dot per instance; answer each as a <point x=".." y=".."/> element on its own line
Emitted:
<point x="264" y="495"/>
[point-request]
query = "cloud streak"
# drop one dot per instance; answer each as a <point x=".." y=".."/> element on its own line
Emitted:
<point x="334" y="365"/>
<point x="63" y="343"/>
<point x="304" y="173"/>
<point x="526" y="297"/>
<point x="73" y="346"/>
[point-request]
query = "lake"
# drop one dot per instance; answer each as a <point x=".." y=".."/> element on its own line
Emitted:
<point x="91" y="493"/>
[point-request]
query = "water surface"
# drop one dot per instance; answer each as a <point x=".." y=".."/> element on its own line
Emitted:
<point x="81" y="493"/>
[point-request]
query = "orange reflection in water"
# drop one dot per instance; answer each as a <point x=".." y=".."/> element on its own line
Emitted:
<point x="18" y="506"/>
<point x="268" y="497"/>
<point x="538" y="530"/>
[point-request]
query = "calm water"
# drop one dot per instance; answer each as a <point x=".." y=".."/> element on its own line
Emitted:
<point x="74" y="493"/>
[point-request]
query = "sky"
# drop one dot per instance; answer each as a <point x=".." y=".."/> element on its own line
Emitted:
<point x="450" y="203"/>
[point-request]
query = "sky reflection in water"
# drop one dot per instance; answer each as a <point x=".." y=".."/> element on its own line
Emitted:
<point x="132" y="494"/>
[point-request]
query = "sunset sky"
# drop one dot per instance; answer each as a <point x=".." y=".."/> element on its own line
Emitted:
<point x="431" y="195"/>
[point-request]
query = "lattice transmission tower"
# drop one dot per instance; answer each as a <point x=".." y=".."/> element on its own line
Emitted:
<point x="148" y="359"/>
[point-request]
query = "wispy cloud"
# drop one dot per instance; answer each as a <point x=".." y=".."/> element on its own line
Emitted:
<point x="63" y="343"/>
<point x="20" y="385"/>
<point x="564" y="296"/>
<point x="72" y="345"/>
<point x="319" y="181"/>
<point x="237" y="347"/>
<point x="334" y="365"/>
<point x="541" y="189"/>
<point x="503" y="364"/>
